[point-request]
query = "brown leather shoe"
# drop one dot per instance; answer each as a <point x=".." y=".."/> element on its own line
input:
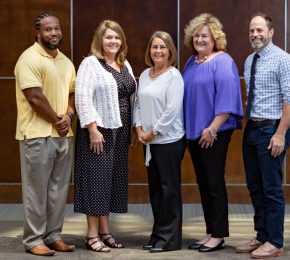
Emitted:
<point x="41" y="250"/>
<point x="61" y="246"/>
<point x="267" y="250"/>
<point x="249" y="247"/>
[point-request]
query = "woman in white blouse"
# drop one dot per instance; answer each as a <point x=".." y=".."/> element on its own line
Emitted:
<point x="104" y="86"/>
<point x="159" y="125"/>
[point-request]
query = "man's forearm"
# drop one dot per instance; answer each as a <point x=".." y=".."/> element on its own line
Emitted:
<point x="40" y="104"/>
<point x="284" y="124"/>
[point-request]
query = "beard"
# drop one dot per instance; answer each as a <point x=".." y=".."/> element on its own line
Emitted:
<point x="259" y="45"/>
<point x="50" y="45"/>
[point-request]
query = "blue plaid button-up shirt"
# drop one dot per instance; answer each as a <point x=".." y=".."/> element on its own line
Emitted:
<point x="272" y="82"/>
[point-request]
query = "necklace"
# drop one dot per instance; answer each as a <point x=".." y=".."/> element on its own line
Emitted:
<point x="197" y="61"/>
<point x="154" y="74"/>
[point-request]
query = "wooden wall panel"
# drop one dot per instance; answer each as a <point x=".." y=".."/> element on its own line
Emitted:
<point x="187" y="170"/>
<point x="137" y="169"/>
<point x="139" y="194"/>
<point x="234" y="170"/>
<point x="16" y="34"/>
<point x="9" y="152"/>
<point x="139" y="19"/>
<point x="234" y="166"/>
<point x="17" y="28"/>
<point x="235" y="16"/>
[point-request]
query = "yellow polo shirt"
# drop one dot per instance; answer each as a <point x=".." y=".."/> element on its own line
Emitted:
<point x="55" y="76"/>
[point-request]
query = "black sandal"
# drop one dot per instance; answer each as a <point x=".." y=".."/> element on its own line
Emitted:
<point x="99" y="248"/>
<point x="113" y="243"/>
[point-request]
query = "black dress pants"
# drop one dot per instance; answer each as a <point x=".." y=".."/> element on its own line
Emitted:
<point x="209" y="166"/>
<point x="164" y="179"/>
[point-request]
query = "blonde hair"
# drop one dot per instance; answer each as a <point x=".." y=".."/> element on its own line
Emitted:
<point x="168" y="42"/>
<point x="215" y="28"/>
<point x="97" y="43"/>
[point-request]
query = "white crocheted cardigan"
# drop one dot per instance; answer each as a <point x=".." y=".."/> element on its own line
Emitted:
<point x="96" y="95"/>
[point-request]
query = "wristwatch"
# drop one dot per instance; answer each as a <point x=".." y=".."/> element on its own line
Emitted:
<point x="71" y="116"/>
<point x="155" y="132"/>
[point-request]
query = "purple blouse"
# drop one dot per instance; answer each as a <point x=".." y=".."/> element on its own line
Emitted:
<point x="211" y="88"/>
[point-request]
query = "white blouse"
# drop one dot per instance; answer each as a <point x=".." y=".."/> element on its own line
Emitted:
<point x="159" y="104"/>
<point x="96" y="95"/>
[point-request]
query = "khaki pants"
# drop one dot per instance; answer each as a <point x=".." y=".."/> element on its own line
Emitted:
<point x="46" y="165"/>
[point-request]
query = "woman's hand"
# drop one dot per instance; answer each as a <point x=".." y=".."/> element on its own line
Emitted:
<point x="207" y="138"/>
<point x="148" y="136"/>
<point x="144" y="137"/>
<point x="140" y="135"/>
<point x="96" y="141"/>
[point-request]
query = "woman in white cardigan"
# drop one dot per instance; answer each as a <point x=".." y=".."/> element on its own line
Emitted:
<point x="159" y="124"/>
<point x="104" y="86"/>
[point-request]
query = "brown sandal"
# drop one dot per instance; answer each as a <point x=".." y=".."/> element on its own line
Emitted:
<point x="110" y="241"/>
<point x="102" y="248"/>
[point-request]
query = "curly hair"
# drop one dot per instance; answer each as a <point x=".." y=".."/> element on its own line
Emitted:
<point x="215" y="28"/>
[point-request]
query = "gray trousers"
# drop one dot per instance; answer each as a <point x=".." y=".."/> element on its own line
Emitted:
<point x="46" y="165"/>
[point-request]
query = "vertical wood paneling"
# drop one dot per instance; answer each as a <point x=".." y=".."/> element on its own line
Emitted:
<point x="16" y="34"/>
<point x="17" y="28"/>
<point x="235" y="16"/>
<point x="9" y="152"/>
<point x="139" y="20"/>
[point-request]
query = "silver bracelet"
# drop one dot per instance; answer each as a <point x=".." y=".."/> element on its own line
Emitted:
<point x="213" y="134"/>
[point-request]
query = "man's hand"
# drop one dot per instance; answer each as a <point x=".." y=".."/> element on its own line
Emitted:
<point x="277" y="144"/>
<point x="63" y="125"/>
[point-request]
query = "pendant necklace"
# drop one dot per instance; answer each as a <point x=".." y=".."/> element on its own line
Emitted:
<point x="153" y="75"/>
<point x="197" y="61"/>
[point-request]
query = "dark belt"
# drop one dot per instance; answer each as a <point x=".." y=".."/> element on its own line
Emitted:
<point x="258" y="124"/>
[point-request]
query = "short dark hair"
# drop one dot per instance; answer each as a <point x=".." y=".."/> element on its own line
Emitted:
<point x="267" y="18"/>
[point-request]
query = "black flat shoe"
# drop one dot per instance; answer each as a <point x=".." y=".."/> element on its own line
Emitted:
<point x="147" y="247"/>
<point x="157" y="250"/>
<point x="219" y="246"/>
<point x="195" y="246"/>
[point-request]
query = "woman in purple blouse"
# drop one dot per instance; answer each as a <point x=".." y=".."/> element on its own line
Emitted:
<point x="212" y="110"/>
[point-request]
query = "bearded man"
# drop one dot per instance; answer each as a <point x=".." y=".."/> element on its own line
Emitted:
<point x="266" y="136"/>
<point x="45" y="108"/>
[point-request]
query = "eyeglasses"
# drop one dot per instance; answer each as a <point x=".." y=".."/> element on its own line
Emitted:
<point x="161" y="47"/>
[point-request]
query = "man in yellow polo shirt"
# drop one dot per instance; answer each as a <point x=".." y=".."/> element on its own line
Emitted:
<point x="45" y="103"/>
